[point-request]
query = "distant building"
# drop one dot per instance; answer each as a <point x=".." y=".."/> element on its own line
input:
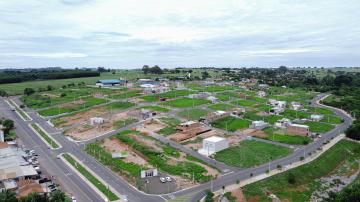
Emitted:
<point x="237" y="112"/>
<point x="202" y="95"/>
<point x="276" y="110"/>
<point x="96" y="121"/>
<point x="316" y="117"/>
<point x="146" y="113"/>
<point x="213" y="144"/>
<point x="276" y="103"/>
<point x="297" y="129"/>
<point x="149" y="173"/>
<point x="259" y="125"/>
<point x="110" y="82"/>
<point x="213" y="99"/>
<point x="295" y="105"/>
<point x="214" y="116"/>
<point x="261" y="93"/>
<point x="282" y="123"/>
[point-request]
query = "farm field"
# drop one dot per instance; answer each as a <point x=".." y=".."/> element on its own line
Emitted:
<point x="167" y="95"/>
<point x="298" y="184"/>
<point x="186" y="102"/>
<point x="319" y="127"/>
<point x="221" y="107"/>
<point x="281" y="136"/>
<point x="251" y="153"/>
<point x="231" y="124"/>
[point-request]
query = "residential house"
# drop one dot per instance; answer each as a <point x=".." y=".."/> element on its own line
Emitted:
<point x="298" y="129"/>
<point x="259" y="125"/>
<point x="213" y="144"/>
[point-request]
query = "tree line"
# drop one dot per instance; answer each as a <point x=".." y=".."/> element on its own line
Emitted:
<point x="18" y="76"/>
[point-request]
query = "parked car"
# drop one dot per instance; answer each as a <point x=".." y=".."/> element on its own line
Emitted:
<point x="73" y="199"/>
<point x="162" y="179"/>
<point x="168" y="179"/>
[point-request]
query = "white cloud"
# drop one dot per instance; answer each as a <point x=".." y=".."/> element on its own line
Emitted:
<point x="179" y="33"/>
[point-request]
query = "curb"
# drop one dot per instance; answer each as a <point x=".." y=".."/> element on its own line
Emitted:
<point x="52" y="139"/>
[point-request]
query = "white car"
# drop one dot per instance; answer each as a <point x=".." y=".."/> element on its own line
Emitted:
<point x="73" y="199"/>
<point x="162" y="179"/>
<point x="168" y="179"/>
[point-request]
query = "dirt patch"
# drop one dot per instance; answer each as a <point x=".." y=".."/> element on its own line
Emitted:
<point x="82" y="116"/>
<point x="146" y="141"/>
<point x="99" y="95"/>
<point x="50" y="95"/>
<point x="86" y="131"/>
<point x="239" y="195"/>
<point x="262" y="113"/>
<point x="182" y="183"/>
<point x="154" y="125"/>
<point x="115" y="145"/>
<point x="254" y="199"/>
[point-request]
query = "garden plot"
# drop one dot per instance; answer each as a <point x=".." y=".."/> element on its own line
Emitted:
<point x="144" y="152"/>
<point x="112" y="121"/>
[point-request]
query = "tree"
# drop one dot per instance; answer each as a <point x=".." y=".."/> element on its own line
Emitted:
<point x="57" y="196"/>
<point x="205" y="75"/>
<point x="156" y="70"/>
<point x="7" y="195"/>
<point x="291" y="178"/>
<point x="209" y="196"/>
<point x="354" y="131"/>
<point x="29" y="91"/>
<point x="146" y="69"/>
<point x="8" y="125"/>
<point x="101" y="69"/>
<point x="283" y="69"/>
<point x="342" y="80"/>
<point x="3" y="93"/>
<point x="33" y="197"/>
<point x="49" y="88"/>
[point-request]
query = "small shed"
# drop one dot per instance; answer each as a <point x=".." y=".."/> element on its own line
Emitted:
<point x="213" y="144"/>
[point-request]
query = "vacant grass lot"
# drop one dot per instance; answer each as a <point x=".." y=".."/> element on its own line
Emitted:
<point x="305" y="175"/>
<point x="227" y="96"/>
<point x="155" y="108"/>
<point x="193" y="114"/>
<point x="245" y="103"/>
<point x="126" y="94"/>
<point x="170" y="121"/>
<point x="276" y="136"/>
<point x="251" y="153"/>
<point x="186" y="102"/>
<point x="168" y="95"/>
<point x="221" y="107"/>
<point x="230" y="123"/>
<point x="293" y="114"/>
<point x="101" y="187"/>
<point x="319" y="127"/>
<point x="88" y="102"/>
<point x="119" y="105"/>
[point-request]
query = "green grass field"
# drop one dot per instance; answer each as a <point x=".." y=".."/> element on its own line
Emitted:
<point x="245" y="103"/>
<point x="193" y="114"/>
<point x="168" y="95"/>
<point x="186" y="102"/>
<point x="88" y="102"/>
<point x="155" y="108"/>
<point x="119" y="105"/>
<point x="319" y="127"/>
<point x="225" y="96"/>
<point x="305" y="176"/>
<point x="231" y="124"/>
<point x="122" y="123"/>
<point x="167" y="131"/>
<point x="100" y="186"/>
<point x="251" y="153"/>
<point x="282" y="137"/>
<point x="293" y="114"/>
<point x="221" y="107"/>
<point x="126" y="94"/>
<point x="170" y="121"/>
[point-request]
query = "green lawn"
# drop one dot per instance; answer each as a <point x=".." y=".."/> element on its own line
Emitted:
<point x="230" y="123"/>
<point x="168" y="95"/>
<point x="100" y="186"/>
<point x="126" y="94"/>
<point x="119" y="105"/>
<point x="225" y="96"/>
<point x="281" y="136"/>
<point x="170" y="121"/>
<point x="45" y="136"/>
<point x="122" y="123"/>
<point x="245" y="103"/>
<point x="251" y="153"/>
<point x="221" y="107"/>
<point x="293" y="114"/>
<point x="167" y="131"/>
<point x="305" y="176"/>
<point x="88" y="102"/>
<point x="319" y="127"/>
<point x="186" y="102"/>
<point x="155" y="108"/>
<point x="193" y="114"/>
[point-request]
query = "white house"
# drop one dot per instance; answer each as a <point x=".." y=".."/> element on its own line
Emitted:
<point x="261" y="93"/>
<point x="295" y="105"/>
<point x="259" y="125"/>
<point x="276" y="103"/>
<point x="316" y="117"/>
<point x="96" y="120"/>
<point x="276" y="110"/>
<point x="282" y="123"/>
<point x="213" y="144"/>
<point x="2" y="136"/>
<point x="213" y="99"/>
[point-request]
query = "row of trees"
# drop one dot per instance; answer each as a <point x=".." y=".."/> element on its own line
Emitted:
<point x="152" y="70"/>
<point x="17" y="77"/>
<point x="10" y="196"/>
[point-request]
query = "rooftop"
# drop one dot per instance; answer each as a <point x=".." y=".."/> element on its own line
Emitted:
<point x="214" y="139"/>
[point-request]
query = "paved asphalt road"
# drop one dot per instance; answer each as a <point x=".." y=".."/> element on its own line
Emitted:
<point x="84" y="193"/>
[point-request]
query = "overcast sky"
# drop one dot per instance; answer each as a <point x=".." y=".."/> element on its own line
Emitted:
<point x="172" y="33"/>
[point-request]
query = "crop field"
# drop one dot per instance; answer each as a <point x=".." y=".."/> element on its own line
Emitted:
<point x="319" y="127"/>
<point x="186" y="102"/>
<point x="251" y="153"/>
<point x="231" y="124"/>
<point x="221" y="107"/>
<point x="167" y="95"/>
<point x="305" y="178"/>
<point x="193" y="114"/>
